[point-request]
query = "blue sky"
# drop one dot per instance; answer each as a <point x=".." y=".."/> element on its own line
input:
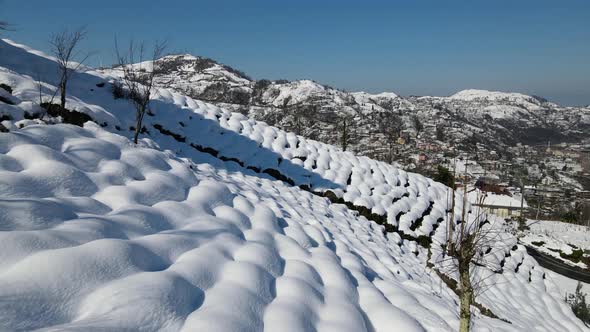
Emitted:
<point x="409" y="47"/>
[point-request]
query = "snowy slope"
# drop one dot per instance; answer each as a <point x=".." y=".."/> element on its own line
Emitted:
<point x="380" y="187"/>
<point x="364" y="97"/>
<point x="555" y="238"/>
<point x="100" y="234"/>
<point x="494" y="120"/>
<point x="474" y="94"/>
<point x="124" y="237"/>
<point x="201" y="76"/>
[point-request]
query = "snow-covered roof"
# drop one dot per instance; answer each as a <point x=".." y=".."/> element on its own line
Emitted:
<point x="495" y="200"/>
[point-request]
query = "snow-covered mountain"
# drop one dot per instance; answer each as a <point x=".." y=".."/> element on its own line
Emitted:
<point x="474" y="94"/>
<point x="218" y="222"/>
<point x="206" y="78"/>
<point x="469" y="119"/>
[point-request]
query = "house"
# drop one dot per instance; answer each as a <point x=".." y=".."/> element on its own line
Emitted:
<point x="502" y="205"/>
<point x="422" y="157"/>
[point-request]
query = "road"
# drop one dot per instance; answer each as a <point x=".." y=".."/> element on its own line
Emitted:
<point x="557" y="266"/>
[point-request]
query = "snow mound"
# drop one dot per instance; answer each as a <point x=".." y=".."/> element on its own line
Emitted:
<point x="151" y="244"/>
<point x="136" y="238"/>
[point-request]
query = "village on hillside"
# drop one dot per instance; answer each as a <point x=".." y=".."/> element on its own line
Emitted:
<point x="555" y="179"/>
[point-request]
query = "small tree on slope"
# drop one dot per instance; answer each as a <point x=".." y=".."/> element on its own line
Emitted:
<point x="469" y="236"/>
<point x="577" y="302"/>
<point x="390" y="125"/>
<point x="63" y="47"/>
<point x="139" y="76"/>
<point x="344" y="126"/>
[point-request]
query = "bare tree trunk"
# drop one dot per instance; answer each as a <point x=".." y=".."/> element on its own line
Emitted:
<point x="466" y="296"/>
<point x="521" y="199"/>
<point x="138" y="122"/>
<point x="451" y="222"/>
<point x="344" y="142"/>
<point x="62" y="88"/>
<point x="390" y="155"/>
<point x="137" y="125"/>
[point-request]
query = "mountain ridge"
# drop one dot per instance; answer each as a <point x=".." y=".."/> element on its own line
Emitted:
<point x="471" y="119"/>
<point x="392" y="94"/>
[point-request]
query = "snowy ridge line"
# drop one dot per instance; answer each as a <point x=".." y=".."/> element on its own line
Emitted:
<point x="313" y="110"/>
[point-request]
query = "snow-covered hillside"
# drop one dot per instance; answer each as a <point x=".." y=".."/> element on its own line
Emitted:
<point x="560" y="240"/>
<point x="204" y="77"/>
<point x="474" y="94"/>
<point x="219" y="222"/>
<point x="469" y="120"/>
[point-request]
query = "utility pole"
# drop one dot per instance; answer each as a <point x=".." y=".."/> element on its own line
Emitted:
<point x="451" y="220"/>
<point x="521" y="198"/>
<point x="538" y="207"/>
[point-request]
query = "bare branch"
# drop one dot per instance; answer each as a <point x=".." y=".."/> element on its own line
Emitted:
<point x="138" y="75"/>
<point x="63" y="47"/>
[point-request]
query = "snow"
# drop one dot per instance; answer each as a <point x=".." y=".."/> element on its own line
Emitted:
<point x="502" y="111"/>
<point x="564" y="285"/>
<point x="577" y="235"/>
<point x="132" y="250"/>
<point x="365" y="97"/>
<point x="473" y="94"/>
<point x="466" y="167"/>
<point x="99" y="233"/>
<point x="476" y="196"/>
<point x="515" y="103"/>
<point x="293" y="92"/>
<point x="557" y="236"/>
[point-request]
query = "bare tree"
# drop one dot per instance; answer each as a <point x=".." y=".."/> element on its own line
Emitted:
<point x="301" y="119"/>
<point x="345" y="127"/>
<point x="470" y="239"/>
<point x="69" y="60"/>
<point x="390" y="125"/>
<point x="139" y="75"/>
<point x="417" y="124"/>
